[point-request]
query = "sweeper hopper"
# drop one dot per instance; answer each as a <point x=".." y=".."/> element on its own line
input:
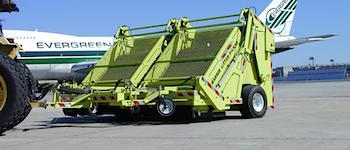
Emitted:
<point x="203" y="69"/>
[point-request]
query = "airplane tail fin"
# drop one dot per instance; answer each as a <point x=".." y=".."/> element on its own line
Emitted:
<point x="279" y="16"/>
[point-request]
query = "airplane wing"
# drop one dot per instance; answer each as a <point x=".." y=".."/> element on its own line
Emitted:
<point x="290" y="44"/>
<point x="83" y="67"/>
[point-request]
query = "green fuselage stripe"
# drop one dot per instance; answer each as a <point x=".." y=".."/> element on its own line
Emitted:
<point x="61" y="53"/>
<point x="57" y="60"/>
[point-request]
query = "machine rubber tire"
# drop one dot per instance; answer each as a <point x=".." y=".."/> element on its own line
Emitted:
<point x="29" y="90"/>
<point x="23" y="115"/>
<point x="31" y="83"/>
<point x="16" y="102"/>
<point x="247" y="109"/>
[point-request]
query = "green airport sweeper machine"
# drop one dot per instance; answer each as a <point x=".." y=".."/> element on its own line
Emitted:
<point x="183" y="68"/>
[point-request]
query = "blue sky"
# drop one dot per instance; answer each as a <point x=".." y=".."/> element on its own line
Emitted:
<point x="101" y="18"/>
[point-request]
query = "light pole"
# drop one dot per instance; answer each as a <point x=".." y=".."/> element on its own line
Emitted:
<point x="332" y="61"/>
<point x="313" y="61"/>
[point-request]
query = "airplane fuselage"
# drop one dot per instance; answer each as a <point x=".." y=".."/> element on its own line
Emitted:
<point x="52" y="56"/>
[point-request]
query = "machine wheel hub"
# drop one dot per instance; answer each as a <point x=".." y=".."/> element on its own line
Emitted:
<point x="258" y="102"/>
<point x="3" y="92"/>
<point x="166" y="108"/>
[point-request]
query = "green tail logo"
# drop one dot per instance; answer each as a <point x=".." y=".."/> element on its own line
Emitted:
<point x="279" y="15"/>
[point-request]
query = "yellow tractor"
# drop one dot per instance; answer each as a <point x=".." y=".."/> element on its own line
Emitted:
<point x="15" y="80"/>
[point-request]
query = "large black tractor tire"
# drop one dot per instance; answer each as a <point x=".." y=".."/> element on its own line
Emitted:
<point x="30" y="84"/>
<point x="23" y="115"/>
<point x="13" y="93"/>
<point x="254" y="102"/>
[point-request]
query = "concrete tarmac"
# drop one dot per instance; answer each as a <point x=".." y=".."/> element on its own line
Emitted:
<point x="314" y="115"/>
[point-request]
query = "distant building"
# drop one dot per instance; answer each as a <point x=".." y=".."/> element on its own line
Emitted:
<point x="320" y="72"/>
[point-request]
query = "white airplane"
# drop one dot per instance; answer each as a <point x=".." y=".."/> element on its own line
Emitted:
<point x="279" y="16"/>
<point x="52" y="56"/>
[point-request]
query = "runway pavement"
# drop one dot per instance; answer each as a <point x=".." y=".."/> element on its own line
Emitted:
<point x="314" y="115"/>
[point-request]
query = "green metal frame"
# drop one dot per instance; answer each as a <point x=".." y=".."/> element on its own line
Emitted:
<point x="243" y="57"/>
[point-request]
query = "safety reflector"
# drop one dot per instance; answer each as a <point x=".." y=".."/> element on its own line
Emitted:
<point x="64" y="104"/>
<point x="104" y="98"/>
<point x="256" y="17"/>
<point x="270" y="32"/>
<point x="139" y="102"/>
<point x="226" y="51"/>
<point x="213" y="88"/>
<point x="236" y="101"/>
<point x="188" y="93"/>
<point x="61" y="104"/>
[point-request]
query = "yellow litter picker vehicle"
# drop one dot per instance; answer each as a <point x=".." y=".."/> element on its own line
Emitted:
<point x="202" y="69"/>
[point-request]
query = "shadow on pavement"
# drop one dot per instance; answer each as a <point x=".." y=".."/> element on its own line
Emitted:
<point x="95" y="121"/>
